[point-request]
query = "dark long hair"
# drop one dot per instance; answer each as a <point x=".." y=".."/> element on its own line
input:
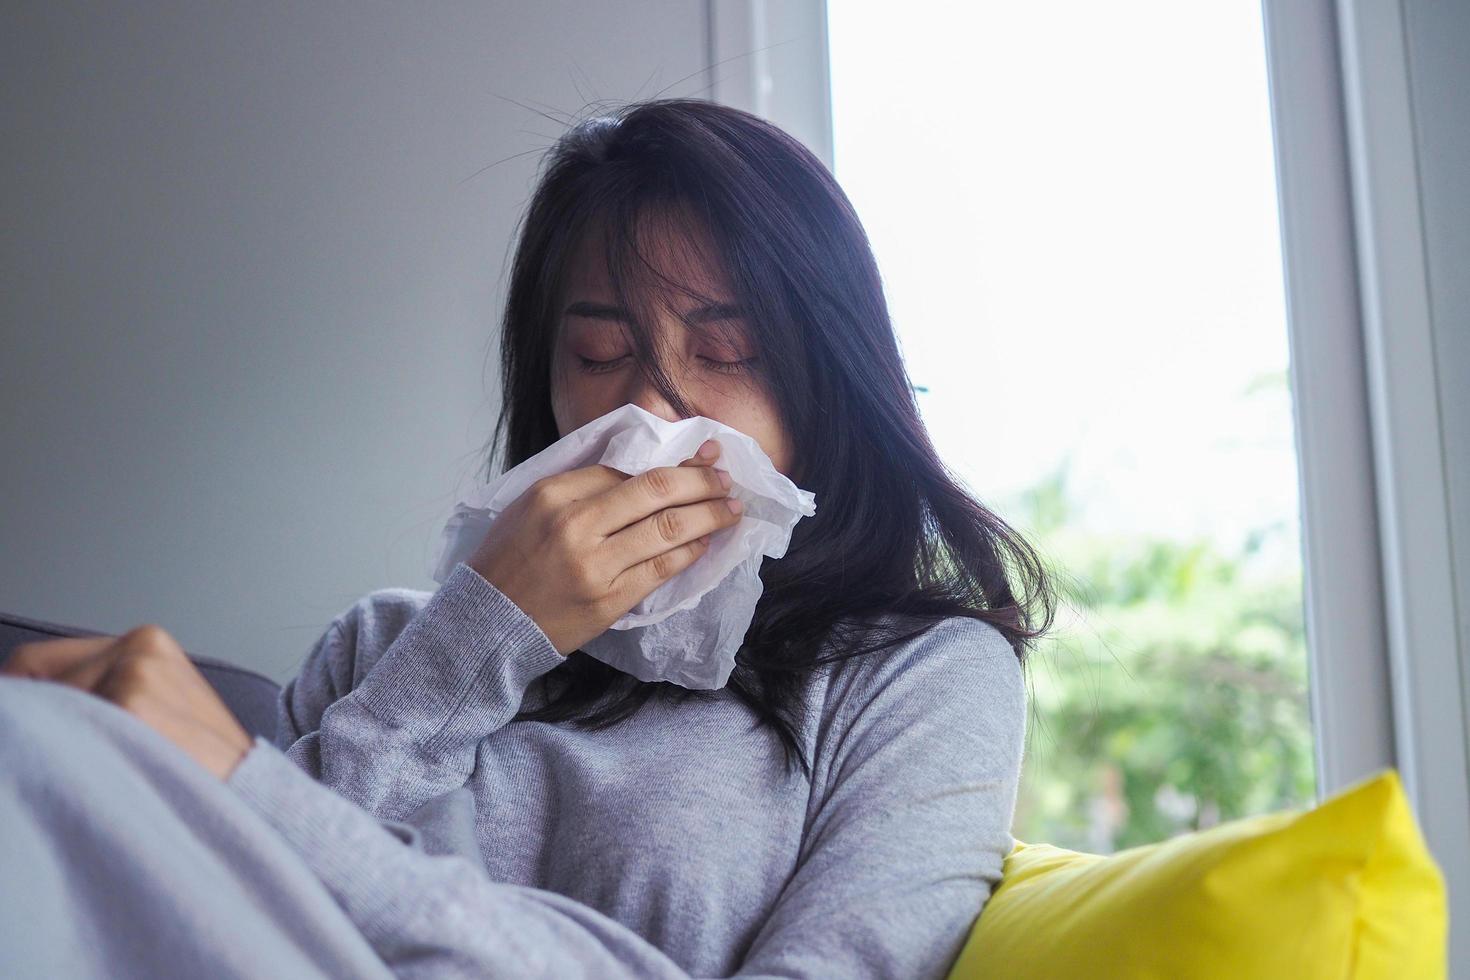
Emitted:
<point x="897" y="543"/>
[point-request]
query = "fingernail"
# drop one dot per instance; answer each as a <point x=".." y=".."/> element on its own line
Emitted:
<point x="708" y="449"/>
<point x="724" y="478"/>
<point x="734" y="505"/>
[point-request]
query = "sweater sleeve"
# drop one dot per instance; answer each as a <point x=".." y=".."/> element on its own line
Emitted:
<point x="907" y="833"/>
<point x="388" y="713"/>
<point x="909" y="826"/>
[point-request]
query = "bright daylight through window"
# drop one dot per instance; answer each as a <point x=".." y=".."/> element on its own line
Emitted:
<point x="1074" y="211"/>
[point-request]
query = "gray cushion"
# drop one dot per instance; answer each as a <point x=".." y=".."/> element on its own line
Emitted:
<point x="251" y="696"/>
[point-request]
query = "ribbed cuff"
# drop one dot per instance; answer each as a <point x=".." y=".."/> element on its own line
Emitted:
<point x="461" y="666"/>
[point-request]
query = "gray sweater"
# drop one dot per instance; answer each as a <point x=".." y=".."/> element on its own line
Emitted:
<point x="674" y="844"/>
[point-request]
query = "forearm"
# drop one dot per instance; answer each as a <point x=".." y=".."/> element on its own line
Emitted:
<point x="407" y="732"/>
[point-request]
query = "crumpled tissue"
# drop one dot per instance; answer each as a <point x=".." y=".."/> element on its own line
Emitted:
<point x="689" y="628"/>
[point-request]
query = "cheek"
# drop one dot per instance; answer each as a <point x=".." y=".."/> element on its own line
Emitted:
<point x="569" y="401"/>
<point x="779" y="448"/>
<point x="568" y="396"/>
<point x="758" y="419"/>
<point x="577" y="398"/>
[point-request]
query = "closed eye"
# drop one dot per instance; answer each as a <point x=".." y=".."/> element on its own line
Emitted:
<point x="597" y="367"/>
<point x="592" y="366"/>
<point x="727" y="367"/>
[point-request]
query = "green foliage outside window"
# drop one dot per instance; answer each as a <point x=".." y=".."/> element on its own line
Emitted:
<point x="1172" y="694"/>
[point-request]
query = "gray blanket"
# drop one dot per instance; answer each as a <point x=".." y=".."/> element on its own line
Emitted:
<point x="122" y="857"/>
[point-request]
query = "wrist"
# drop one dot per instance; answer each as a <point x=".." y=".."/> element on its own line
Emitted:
<point x="222" y="755"/>
<point x="514" y="597"/>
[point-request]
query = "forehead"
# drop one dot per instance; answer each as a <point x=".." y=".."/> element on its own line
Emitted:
<point x="666" y="250"/>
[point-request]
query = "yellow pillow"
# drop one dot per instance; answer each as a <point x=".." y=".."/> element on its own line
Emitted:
<point x="1347" y="889"/>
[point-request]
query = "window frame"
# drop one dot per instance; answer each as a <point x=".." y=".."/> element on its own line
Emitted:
<point x="1408" y="469"/>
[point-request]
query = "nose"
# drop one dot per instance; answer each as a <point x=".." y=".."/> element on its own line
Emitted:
<point x="642" y="392"/>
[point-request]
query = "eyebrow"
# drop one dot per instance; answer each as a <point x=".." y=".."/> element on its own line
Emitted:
<point x="705" y="314"/>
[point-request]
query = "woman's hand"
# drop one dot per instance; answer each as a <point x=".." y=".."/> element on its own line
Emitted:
<point x="146" y="673"/>
<point x="579" y="549"/>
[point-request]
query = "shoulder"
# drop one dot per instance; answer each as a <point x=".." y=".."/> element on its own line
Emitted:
<point x="956" y="648"/>
<point x="980" y="661"/>
<point x="357" y="638"/>
<point x="958" y="668"/>
<point x="946" y="708"/>
<point x="966" y="639"/>
<point x="365" y="629"/>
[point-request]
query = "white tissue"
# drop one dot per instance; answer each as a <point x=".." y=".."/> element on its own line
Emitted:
<point x="687" y="630"/>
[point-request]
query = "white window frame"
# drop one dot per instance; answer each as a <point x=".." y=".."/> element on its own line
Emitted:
<point x="1382" y="629"/>
<point x="1410" y="465"/>
<point x="769" y="57"/>
<point x="1382" y="622"/>
<point x="1352" y="715"/>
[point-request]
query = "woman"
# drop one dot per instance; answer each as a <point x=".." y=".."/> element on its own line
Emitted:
<point x="842" y="807"/>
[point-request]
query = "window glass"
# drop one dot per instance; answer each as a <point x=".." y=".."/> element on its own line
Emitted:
<point x="1073" y="206"/>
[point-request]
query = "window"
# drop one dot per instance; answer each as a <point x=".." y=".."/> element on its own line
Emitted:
<point x="1074" y="209"/>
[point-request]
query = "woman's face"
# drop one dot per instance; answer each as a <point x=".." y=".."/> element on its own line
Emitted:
<point x="594" y="371"/>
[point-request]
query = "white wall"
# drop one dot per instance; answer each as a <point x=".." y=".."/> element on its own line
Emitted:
<point x="248" y="294"/>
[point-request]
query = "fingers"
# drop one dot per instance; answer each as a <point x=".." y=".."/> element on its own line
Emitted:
<point x="590" y="481"/>
<point x="660" y="488"/>
<point x="563" y="489"/>
<point x="86" y="661"/>
<point x="89" y="673"/>
<point x="669" y="529"/>
<point x="578" y="484"/>
<point x="48" y="659"/>
<point x="707" y="453"/>
<point x="80" y="662"/>
<point x="641" y="578"/>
